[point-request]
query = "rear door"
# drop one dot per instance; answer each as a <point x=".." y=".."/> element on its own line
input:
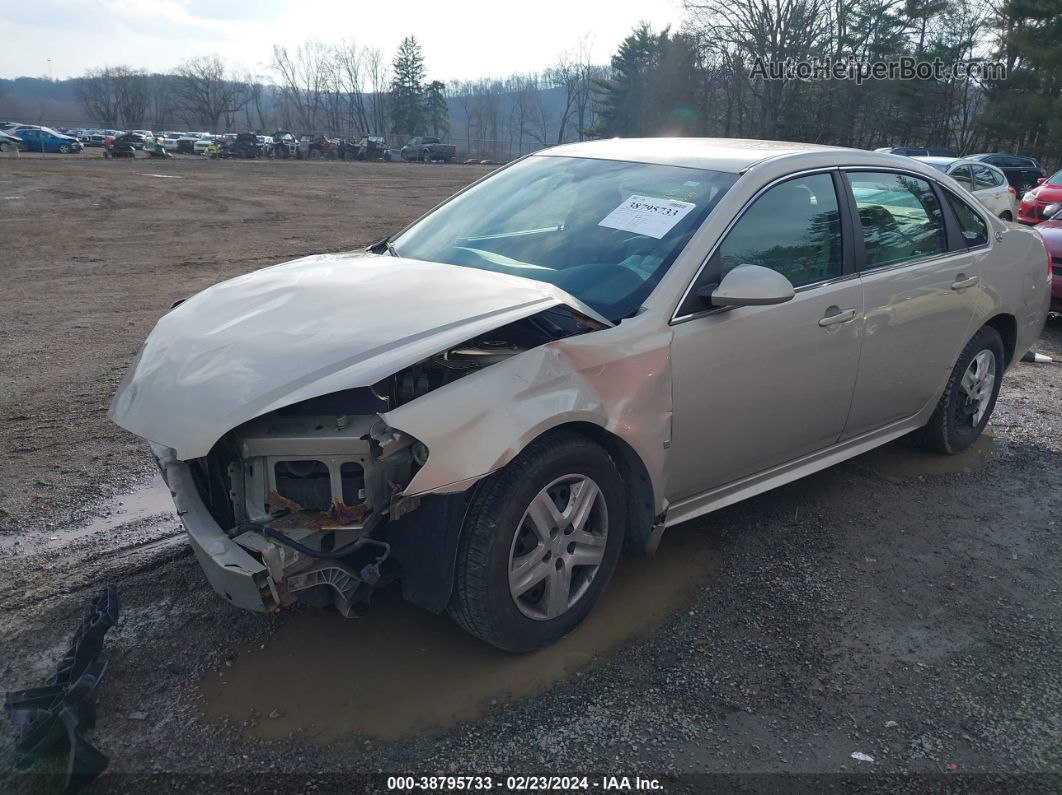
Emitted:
<point x="919" y="278"/>
<point x="990" y="187"/>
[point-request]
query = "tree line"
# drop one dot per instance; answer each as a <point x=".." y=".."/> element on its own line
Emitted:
<point x="351" y="90"/>
<point x="699" y="80"/>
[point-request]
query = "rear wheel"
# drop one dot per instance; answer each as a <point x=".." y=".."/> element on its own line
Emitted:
<point x="1006" y="216"/>
<point x="540" y="542"/>
<point x="969" y="397"/>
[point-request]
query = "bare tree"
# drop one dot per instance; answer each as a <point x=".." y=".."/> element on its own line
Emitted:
<point x="350" y="79"/>
<point x="115" y="96"/>
<point x="208" y="91"/>
<point x="96" y="93"/>
<point x="379" y="81"/>
<point x="305" y="75"/>
<point x="773" y="30"/>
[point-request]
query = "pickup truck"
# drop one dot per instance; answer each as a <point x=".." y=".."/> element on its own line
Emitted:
<point x="427" y="149"/>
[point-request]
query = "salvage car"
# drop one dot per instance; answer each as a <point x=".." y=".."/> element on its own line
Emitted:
<point x="1022" y="172"/>
<point x="592" y="344"/>
<point x="1051" y="231"/>
<point x="987" y="183"/>
<point x="1034" y="203"/>
<point x="45" y="139"/>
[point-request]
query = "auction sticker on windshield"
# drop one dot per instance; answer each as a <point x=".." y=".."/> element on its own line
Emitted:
<point x="645" y="215"/>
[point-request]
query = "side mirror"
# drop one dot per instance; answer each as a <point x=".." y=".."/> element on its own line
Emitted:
<point x="1050" y="211"/>
<point x="1041" y="181"/>
<point x="748" y="285"/>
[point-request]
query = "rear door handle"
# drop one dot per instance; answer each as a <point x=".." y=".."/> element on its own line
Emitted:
<point x="835" y="316"/>
<point x="961" y="283"/>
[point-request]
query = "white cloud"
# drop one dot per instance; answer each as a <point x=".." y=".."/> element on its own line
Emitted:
<point x="461" y="39"/>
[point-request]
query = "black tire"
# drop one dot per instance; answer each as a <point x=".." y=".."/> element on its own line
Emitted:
<point x="951" y="428"/>
<point x="1006" y="216"/>
<point x="64" y="149"/>
<point x="482" y="603"/>
<point x="315" y="154"/>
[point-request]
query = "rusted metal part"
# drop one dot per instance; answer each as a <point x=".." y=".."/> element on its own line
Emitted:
<point x="290" y="515"/>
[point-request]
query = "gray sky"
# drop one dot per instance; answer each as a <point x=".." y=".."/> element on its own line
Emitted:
<point x="461" y="39"/>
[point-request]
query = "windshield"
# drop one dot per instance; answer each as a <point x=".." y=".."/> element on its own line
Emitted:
<point x="603" y="230"/>
<point x="1055" y="179"/>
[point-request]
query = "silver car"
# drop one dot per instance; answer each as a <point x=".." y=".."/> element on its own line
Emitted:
<point x="582" y="349"/>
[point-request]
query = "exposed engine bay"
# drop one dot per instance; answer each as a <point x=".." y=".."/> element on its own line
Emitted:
<point x="309" y="489"/>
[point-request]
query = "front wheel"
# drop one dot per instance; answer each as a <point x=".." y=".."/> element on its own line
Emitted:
<point x="64" y="149"/>
<point x="540" y="541"/>
<point x="969" y="396"/>
<point x="1006" y="216"/>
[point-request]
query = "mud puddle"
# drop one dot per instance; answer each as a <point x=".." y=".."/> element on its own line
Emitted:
<point x="149" y="500"/>
<point x="401" y="671"/>
<point x="902" y="460"/>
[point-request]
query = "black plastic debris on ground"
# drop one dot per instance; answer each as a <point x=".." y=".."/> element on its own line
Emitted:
<point x="52" y="716"/>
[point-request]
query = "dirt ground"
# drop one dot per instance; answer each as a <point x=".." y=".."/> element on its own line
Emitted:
<point x="901" y="605"/>
<point x="95" y="250"/>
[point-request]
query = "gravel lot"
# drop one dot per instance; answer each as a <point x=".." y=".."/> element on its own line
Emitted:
<point x="900" y="605"/>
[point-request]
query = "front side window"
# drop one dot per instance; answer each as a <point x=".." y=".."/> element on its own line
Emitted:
<point x="971" y="226"/>
<point x="606" y="231"/>
<point x="900" y="217"/>
<point x="794" y="228"/>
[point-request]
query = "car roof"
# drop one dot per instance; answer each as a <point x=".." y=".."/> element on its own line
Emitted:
<point x="937" y="159"/>
<point x="733" y="155"/>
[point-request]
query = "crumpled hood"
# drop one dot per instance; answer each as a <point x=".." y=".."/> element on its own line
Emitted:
<point x="306" y="328"/>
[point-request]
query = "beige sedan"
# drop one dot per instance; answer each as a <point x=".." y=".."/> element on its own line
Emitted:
<point x="586" y="347"/>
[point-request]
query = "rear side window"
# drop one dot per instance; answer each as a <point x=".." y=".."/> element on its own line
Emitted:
<point x="984" y="178"/>
<point x="973" y="228"/>
<point x="962" y="175"/>
<point x="900" y="217"/>
<point x="794" y="228"/>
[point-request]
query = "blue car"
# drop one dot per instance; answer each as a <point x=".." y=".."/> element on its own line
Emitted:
<point x="45" y="139"/>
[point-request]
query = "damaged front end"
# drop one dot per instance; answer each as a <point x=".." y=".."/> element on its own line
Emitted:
<point x="307" y="503"/>
<point x="318" y="447"/>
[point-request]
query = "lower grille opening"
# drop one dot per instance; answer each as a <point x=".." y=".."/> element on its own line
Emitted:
<point x="306" y="482"/>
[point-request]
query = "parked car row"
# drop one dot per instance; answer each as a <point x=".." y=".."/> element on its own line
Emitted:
<point x="281" y="144"/>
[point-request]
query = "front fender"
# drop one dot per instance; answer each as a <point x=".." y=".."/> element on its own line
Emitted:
<point x="612" y="379"/>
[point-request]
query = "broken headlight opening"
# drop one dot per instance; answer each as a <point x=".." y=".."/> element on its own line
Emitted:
<point x="309" y="489"/>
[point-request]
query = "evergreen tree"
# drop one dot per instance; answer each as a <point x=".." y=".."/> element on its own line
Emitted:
<point x="407" y="89"/>
<point x="436" y="111"/>
<point x="626" y="101"/>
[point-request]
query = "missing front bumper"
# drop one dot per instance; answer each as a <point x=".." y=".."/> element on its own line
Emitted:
<point x="231" y="570"/>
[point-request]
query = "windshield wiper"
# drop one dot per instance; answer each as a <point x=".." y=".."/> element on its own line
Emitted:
<point x="383" y="245"/>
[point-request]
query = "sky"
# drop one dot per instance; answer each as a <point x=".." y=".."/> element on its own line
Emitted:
<point x="461" y="39"/>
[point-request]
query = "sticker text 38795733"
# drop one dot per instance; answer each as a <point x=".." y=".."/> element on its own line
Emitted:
<point x="645" y="215"/>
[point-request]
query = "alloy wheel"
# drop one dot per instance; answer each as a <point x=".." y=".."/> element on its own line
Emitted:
<point x="558" y="547"/>
<point x="977" y="384"/>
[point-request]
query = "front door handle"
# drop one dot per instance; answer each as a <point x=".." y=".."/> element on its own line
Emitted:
<point x="835" y="316"/>
<point x="962" y="282"/>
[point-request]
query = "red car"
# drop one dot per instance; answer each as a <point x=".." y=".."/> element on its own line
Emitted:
<point x="1051" y="231"/>
<point x="1048" y="191"/>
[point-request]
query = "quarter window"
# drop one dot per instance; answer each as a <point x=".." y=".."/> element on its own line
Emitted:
<point x="900" y="217"/>
<point x="794" y="228"/>
<point x="973" y="229"/>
